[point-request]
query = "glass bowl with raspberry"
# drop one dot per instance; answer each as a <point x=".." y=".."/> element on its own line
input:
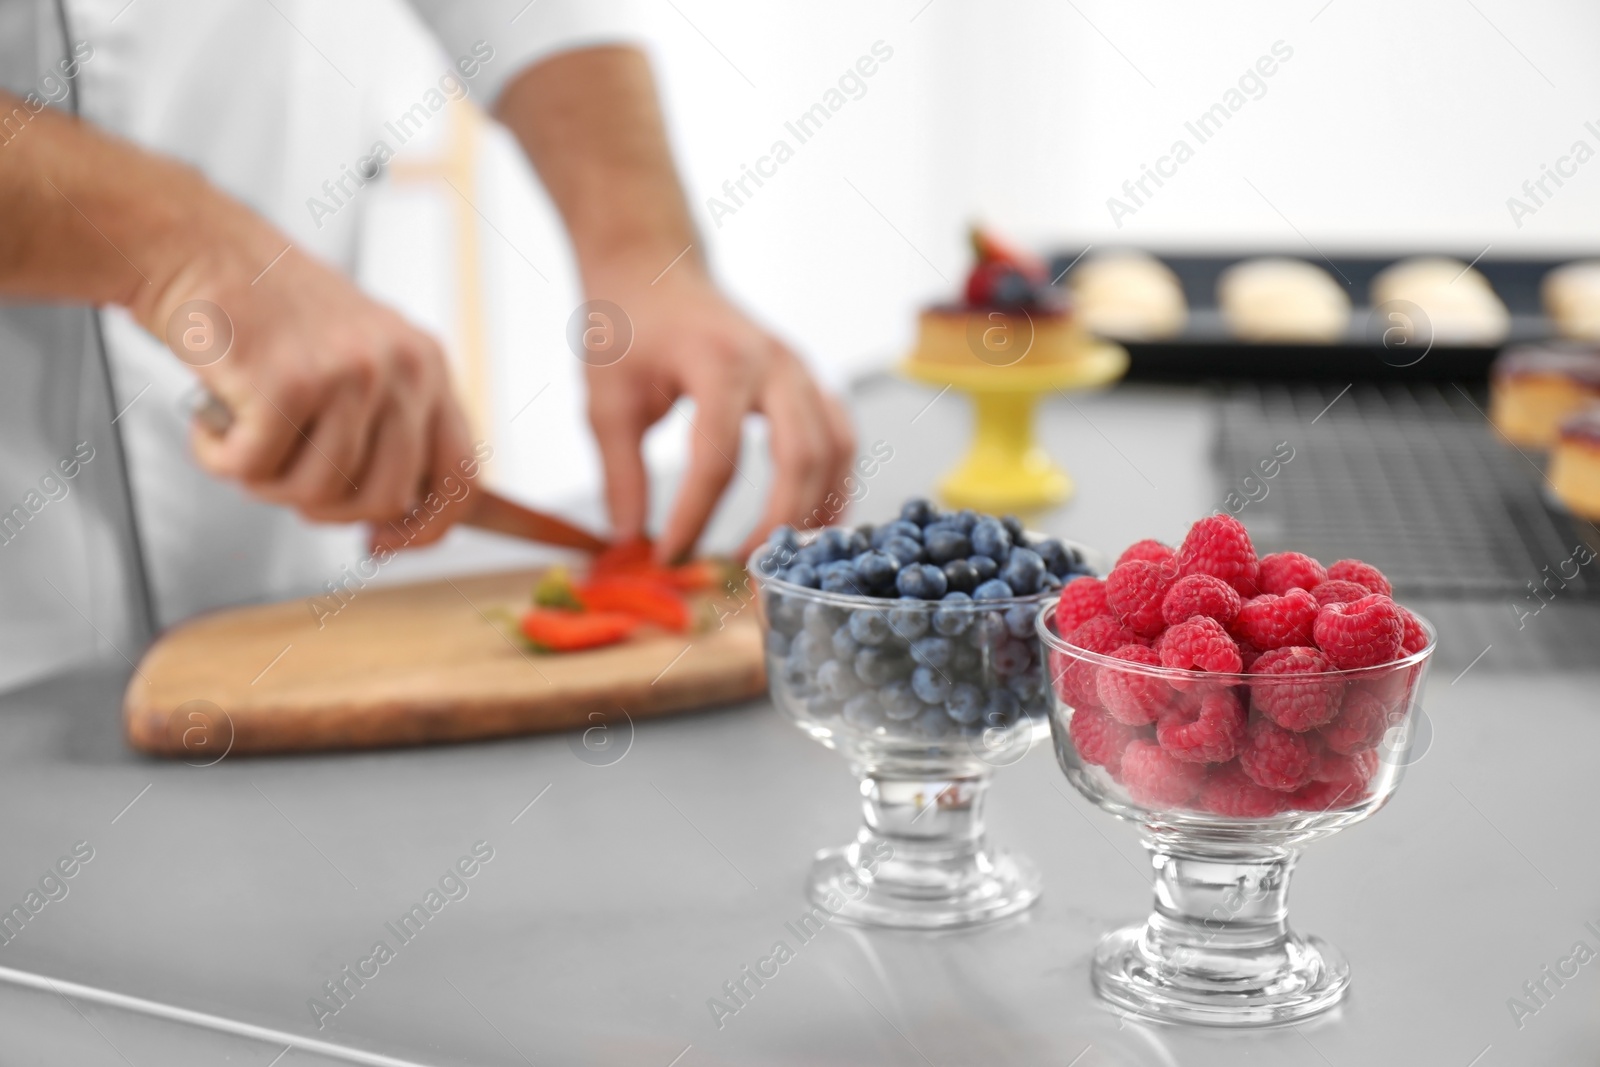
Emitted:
<point x="1236" y="709"/>
<point x="910" y="648"/>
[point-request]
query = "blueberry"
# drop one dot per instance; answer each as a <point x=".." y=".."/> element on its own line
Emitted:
<point x="897" y="528"/>
<point x="985" y="566"/>
<point x="832" y="543"/>
<point x="797" y="677"/>
<point x="952" y="621"/>
<point x="1013" y="289"/>
<point x="844" y="646"/>
<point x="944" y="543"/>
<point x="904" y="550"/>
<point x="1010" y="657"/>
<point x="993" y="589"/>
<point x="919" y="511"/>
<point x="801" y="574"/>
<point x="899" y="702"/>
<point x="991" y="630"/>
<point x="821" y="705"/>
<point x="837" y="680"/>
<point x="965" y="703"/>
<point x="965" y="661"/>
<point x="876" y="569"/>
<point x="930" y="686"/>
<point x="1055" y="557"/>
<point x="822" y="619"/>
<point x="1050" y="583"/>
<point x="777" y="644"/>
<point x="863" y="711"/>
<point x="990" y="538"/>
<point x="922" y="580"/>
<point x="869" y="627"/>
<point x="877" y="666"/>
<point x="1022" y="571"/>
<point x="784" y="537"/>
<point x="931" y="651"/>
<point x="961" y="576"/>
<point x="1019" y="620"/>
<point x="908" y="623"/>
<point x="931" y="725"/>
<point x="810" y="650"/>
<point x="1000" y="708"/>
<point x="1013" y="527"/>
<point x="813" y="555"/>
<point x="1028" y="682"/>
<point x="844" y="580"/>
<point x="786" y="614"/>
<point x="963" y="520"/>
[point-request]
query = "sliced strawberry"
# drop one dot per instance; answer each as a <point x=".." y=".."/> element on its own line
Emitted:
<point x="555" y="630"/>
<point x="989" y="248"/>
<point x="643" y="597"/>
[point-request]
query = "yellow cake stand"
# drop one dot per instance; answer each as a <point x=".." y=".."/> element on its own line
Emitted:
<point x="1005" y="469"/>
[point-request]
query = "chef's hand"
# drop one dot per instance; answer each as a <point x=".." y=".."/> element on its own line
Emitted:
<point x="689" y="341"/>
<point x="341" y="409"/>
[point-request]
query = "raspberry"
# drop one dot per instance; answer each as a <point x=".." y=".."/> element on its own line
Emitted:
<point x="1248" y="653"/>
<point x="1283" y="571"/>
<point x="1362" y="633"/>
<point x="1269" y="621"/>
<point x="1132" y="697"/>
<point x="1360" y="724"/>
<point x="1415" y="638"/>
<point x="1338" y="592"/>
<point x="1134" y="592"/>
<point x="1295" y="705"/>
<point x="1200" y="594"/>
<point x="1155" y="779"/>
<point x="1229" y="791"/>
<point x="1219" y="546"/>
<point x="1339" y="781"/>
<point x="1277" y="759"/>
<point x="1212" y="731"/>
<point x="1201" y="644"/>
<point x="1148" y="551"/>
<point x="1354" y="769"/>
<point x="1081" y="600"/>
<point x="1325" y="796"/>
<point x="1099" y="738"/>
<point x="1075" y="678"/>
<point x="1364" y="574"/>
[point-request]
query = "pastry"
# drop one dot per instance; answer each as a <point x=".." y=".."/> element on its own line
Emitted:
<point x="1129" y="295"/>
<point x="1010" y="315"/>
<point x="1572" y="298"/>
<point x="1575" y="463"/>
<point x="1283" y="300"/>
<point x="1460" y="306"/>
<point x="1532" y="388"/>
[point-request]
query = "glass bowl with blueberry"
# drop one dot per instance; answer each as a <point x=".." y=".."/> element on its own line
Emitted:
<point x="910" y="648"/>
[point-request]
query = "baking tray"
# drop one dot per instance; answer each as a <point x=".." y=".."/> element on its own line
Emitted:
<point x="1206" y="349"/>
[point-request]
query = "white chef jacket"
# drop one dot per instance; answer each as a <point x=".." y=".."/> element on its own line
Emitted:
<point x="269" y="99"/>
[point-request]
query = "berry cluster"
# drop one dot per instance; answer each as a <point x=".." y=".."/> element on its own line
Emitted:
<point x="1232" y="701"/>
<point x="937" y="637"/>
<point x="1007" y="278"/>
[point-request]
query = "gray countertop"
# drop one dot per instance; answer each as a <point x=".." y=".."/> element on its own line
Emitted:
<point x="627" y="894"/>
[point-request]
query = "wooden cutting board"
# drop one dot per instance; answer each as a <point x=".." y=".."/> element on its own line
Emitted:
<point x="414" y="664"/>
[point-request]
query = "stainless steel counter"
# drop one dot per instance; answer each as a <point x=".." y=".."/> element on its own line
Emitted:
<point x="619" y="898"/>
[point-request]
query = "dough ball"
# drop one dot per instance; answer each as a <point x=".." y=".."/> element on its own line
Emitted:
<point x="1572" y="298"/>
<point x="1283" y="300"/>
<point x="1128" y="295"/>
<point x="1460" y="305"/>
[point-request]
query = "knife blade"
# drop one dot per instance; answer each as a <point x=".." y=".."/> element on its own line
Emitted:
<point x="485" y="509"/>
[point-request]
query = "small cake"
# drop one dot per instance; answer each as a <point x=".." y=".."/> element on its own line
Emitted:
<point x="1575" y="463"/>
<point x="1572" y="298"/>
<point x="1128" y="295"/>
<point x="1460" y="306"/>
<point x="1532" y="388"/>
<point x="1011" y="315"/>
<point x="1279" y="299"/>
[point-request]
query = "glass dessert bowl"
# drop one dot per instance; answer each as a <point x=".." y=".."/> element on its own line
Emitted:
<point x="1228" y="777"/>
<point x="925" y="698"/>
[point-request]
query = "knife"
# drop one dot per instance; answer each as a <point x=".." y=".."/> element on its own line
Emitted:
<point x="485" y="510"/>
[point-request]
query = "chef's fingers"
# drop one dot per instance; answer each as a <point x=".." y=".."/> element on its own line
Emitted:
<point x="329" y="468"/>
<point x="446" y="490"/>
<point x="389" y="484"/>
<point x="619" y="433"/>
<point x="264" y="436"/>
<point x="720" y="406"/>
<point x="800" y="441"/>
